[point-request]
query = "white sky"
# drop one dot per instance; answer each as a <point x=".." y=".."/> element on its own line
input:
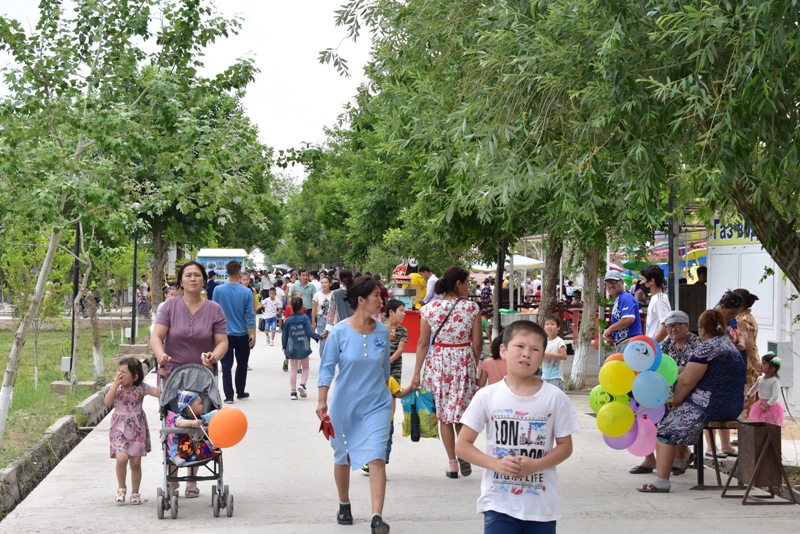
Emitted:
<point x="294" y="96"/>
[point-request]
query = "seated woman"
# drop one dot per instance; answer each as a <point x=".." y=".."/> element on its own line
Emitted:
<point x="709" y="389"/>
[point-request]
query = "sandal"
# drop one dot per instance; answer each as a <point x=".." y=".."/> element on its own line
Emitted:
<point x="719" y="455"/>
<point x="649" y="488"/>
<point x="678" y="470"/>
<point x="136" y="498"/>
<point x="191" y="492"/>
<point x="732" y="454"/>
<point x="466" y="468"/>
<point x="640" y="470"/>
<point x="451" y="474"/>
<point x="121" y="495"/>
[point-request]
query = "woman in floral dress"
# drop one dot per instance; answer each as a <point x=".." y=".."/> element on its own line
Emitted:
<point x="450" y="366"/>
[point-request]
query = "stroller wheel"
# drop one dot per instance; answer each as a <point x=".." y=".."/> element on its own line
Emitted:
<point x="160" y="505"/>
<point x="215" y="501"/>
<point x="229" y="505"/>
<point x="173" y="507"/>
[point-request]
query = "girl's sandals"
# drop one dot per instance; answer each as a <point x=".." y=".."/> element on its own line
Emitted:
<point x="466" y="468"/>
<point x="191" y="492"/>
<point x="120" y="499"/>
<point x="136" y="498"/>
<point x="650" y="488"/>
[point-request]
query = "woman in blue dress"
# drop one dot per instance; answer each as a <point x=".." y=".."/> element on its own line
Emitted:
<point x="361" y="407"/>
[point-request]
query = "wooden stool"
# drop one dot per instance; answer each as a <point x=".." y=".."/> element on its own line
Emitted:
<point x="759" y="463"/>
<point x="699" y="453"/>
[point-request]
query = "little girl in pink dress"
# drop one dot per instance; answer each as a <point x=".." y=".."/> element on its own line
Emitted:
<point x="129" y="433"/>
<point x="768" y="409"/>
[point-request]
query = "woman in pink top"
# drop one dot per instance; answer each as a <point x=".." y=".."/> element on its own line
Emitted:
<point x="494" y="369"/>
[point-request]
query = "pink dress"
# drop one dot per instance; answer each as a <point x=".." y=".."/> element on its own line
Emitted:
<point x="450" y="370"/>
<point x="129" y="432"/>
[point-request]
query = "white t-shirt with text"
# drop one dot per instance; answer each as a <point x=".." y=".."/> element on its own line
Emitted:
<point x="525" y="426"/>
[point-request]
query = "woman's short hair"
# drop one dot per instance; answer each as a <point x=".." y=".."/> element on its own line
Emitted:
<point x="712" y="322"/>
<point x="393" y="305"/>
<point x="362" y="287"/>
<point x="187" y="264"/>
<point x="447" y="283"/>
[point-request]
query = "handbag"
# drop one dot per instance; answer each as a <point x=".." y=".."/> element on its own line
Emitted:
<point x="326" y="427"/>
<point x="262" y="324"/>
<point x="419" y="415"/>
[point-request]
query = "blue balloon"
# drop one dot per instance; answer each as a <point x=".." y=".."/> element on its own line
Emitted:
<point x="650" y="389"/>
<point x="659" y="357"/>
<point x="639" y="356"/>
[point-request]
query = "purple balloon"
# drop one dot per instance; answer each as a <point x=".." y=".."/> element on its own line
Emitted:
<point x="645" y="441"/>
<point x="624" y="441"/>
<point x="654" y="414"/>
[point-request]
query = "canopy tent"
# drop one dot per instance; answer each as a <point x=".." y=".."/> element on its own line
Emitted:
<point x="520" y="263"/>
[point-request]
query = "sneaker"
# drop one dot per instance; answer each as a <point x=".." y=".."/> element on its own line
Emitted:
<point x="378" y="526"/>
<point x="364" y="470"/>
<point x="243" y="396"/>
<point x="301" y="389"/>
<point x="293" y="396"/>
<point x="228" y="401"/>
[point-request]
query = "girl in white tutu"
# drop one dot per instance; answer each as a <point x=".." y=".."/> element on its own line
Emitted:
<point x="768" y="409"/>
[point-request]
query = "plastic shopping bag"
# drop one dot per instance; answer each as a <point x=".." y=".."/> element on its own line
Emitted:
<point x="419" y="415"/>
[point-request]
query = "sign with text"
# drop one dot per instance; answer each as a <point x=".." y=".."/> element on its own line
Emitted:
<point x="731" y="232"/>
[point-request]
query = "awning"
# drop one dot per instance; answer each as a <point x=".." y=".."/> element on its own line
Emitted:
<point x="520" y="264"/>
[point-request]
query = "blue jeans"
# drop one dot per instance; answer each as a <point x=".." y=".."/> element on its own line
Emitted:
<point x="497" y="523"/>
<point x="322" y="321"/>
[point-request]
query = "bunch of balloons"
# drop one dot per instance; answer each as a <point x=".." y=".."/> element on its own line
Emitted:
<point x="641" y="369"/>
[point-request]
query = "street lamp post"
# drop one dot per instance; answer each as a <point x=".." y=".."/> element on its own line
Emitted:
<point x="135" y="299"/>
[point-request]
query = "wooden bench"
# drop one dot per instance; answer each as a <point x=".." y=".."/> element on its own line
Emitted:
<point x="699" y="453"/>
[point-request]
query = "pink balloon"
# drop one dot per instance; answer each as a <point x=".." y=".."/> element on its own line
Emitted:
<point x="654" y="414"/>
<point x="625" y="440"/>
<point x="645" y="442"/>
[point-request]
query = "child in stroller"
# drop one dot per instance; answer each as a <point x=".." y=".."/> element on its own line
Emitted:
<point x="189" y="398"/>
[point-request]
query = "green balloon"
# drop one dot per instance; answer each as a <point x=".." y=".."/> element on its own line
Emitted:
<point x="668" y="369"/>
<point x="598" y="398"/>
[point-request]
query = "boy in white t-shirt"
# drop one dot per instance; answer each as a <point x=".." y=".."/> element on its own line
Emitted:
<point x="554" y="352"/>
<point x="522" y="416"/>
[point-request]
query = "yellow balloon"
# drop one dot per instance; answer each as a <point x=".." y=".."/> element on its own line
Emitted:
<point x="616" y="377"/>
<point x="615" y="419"/>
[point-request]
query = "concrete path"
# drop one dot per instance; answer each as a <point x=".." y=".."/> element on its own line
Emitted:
<point x="281" y="476"/>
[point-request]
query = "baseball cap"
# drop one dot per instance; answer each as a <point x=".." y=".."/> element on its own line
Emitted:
<point x="676" y="316"/>
<point x="613" y="275"/>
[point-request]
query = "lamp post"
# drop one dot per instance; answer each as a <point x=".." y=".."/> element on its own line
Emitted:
<point x="134" y="298"/>
<point x="75" y="285"/>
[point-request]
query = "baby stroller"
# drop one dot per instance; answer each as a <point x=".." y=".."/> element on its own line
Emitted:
<point x="200" y="379"/>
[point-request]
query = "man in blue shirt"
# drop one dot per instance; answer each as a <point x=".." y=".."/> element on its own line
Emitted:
<point x="237" y="305"/>
<point x="625" y="320"/>
<point x="211" y="284"/>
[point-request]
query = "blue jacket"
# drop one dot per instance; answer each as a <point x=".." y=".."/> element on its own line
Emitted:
<point x="296" y="335"/>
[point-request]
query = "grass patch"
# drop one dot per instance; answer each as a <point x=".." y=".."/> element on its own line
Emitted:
<point x="35" y="409"/>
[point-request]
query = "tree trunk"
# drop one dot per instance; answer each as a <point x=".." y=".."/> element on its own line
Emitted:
<point x="7" y="391"/>
<point x="180" y="252"/>
<point x="36" y="325"/>
<point x="552" y="262"/>
<point x="587" y="330"/>
<point x="160" y="258"/>
<point x="497" y="298"/>
<point x="778" y="236"/>
<point x="98" y="367"/>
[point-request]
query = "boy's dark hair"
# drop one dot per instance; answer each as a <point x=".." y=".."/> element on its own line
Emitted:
<point x="135" y="367"/>
<point x="553" y="317"/>
<point x="233" y="268"/>
<point x="393" y="305"/>
<point x="424" y="269"/>
<point x="297" y="304"/>
<point x="524" y="327"/>
<point x="495" y="351"/>
<point x="702" y="270"/>
<point x="654" y="273"/>
<point x="273" y="290"/>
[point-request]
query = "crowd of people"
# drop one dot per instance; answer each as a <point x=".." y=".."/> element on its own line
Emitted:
<point x="514" y="392"/>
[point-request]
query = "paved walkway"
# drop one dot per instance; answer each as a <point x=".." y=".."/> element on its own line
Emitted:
<point x="281" y="476"/>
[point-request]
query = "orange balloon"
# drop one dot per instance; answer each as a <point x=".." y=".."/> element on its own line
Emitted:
<point x="615" y="357"/>
<point x="227" y="427"/>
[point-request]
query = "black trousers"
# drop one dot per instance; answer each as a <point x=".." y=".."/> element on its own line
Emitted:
<point x="238" y="348"/>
